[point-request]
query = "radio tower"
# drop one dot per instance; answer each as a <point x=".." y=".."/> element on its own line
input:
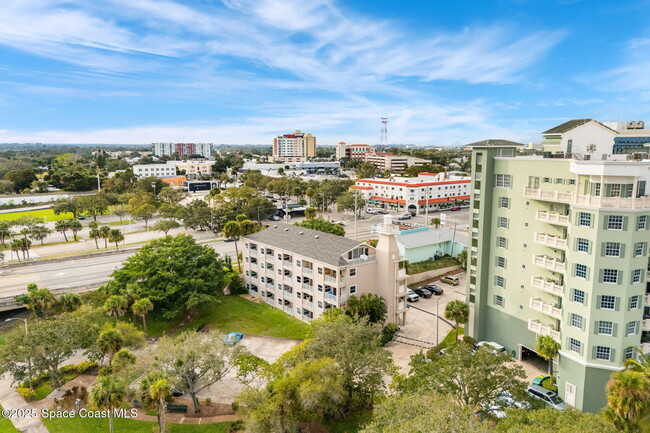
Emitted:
<point x="383" y="139"/>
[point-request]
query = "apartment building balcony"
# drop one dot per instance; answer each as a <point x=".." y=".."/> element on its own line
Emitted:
<point x="306" y="318"/>
<point x="646" y="299"/>
<point x="550" y="240"/>
<point x="288" y="309"/>
<point x="253" y="279"/>
<point x="360" y="261"/>
<point x="308" y="288"/>
<point x="287" y="264"/>
<point x="547" y="286"/>
<point x="552" y="218"/>
<point x="329" y="279"/>
<point x="287" y="279"/>
<point x="645" y="324"/>
<point x="254" y="265"/>
<point x="307" y="271"/>
<point x="270" y="286"/>
<point x="287" y="294"/>
<point x="546" y="262"/>
<point x="308" y="304"/>
<point x="538" y="328"/>
<point x="588" y="200"/>
<point x="401" y="273"/>
<point x="334" y="298"/>
<point x="269" y="301"/>
<point x="645" y="347"/>
<point x="543" y="307"/>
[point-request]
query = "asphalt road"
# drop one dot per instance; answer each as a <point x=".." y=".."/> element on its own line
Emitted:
<point x="74" y="272"/>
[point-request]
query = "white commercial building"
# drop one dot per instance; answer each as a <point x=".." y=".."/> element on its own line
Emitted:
<point x="183" y="149"/>
<point x="155" y="170"/>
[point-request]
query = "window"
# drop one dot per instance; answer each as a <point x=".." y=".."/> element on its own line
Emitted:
<point x="320" y="271"/>
<point x="634" y="302"/>
<point x="605" y="328"/>
<point x="607" y="302"/>
<point x="574" y="345"/>
<point x="610" y="276"/>
<point x="584" y="219"/>
<point x="581" y="271"/>
<point x="501" y="262"/>
<point x="629" y="353"/>
<point x="502" y="222"/>
<point x="614" y="222"/>
<point x="499" y="281"/>
<point x="504" y="202"/>
<point x="498" y="301"/>
<point x="504" y="181"/>
<point x="636" y="275"/>
<point x="583" y="245"/>
<point x="576" y="321"/>
<point x="603" y="353"/>
<point x="546" y="180"/>
<point x="353" y="272"/>
<point x="298" y="263"/>
<point x="320" y="304"/>
<point x="502" y="242"/>
<point x="638" y="249"/>
<point x="631" y="328"/>
<point x="578" y="296"/>
<point x="353" y="290"/>
<point x="612" y="249"/>
<point x="320" y="287"/>
<point x="642" y="222"/>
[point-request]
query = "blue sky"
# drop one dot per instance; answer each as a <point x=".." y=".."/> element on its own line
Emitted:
<point x="243" y="71"/>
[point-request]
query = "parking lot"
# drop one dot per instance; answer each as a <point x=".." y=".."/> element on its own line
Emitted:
<point x="420" y="331"/>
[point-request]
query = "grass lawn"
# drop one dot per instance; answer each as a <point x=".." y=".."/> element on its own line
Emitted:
<point x="430" y="265"/>
<point x="45" y="388"/>
<point x="451" y="337"/>
<point x="47" y="213"/>
<point x="117" y="223"/>
<point x="351" y="424"/>
<point x="95" y="425"/>
<point x="6" y="426"/>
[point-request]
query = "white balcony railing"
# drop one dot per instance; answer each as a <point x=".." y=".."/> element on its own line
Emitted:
<point x="330" y="279"/>
<point x="539" y="329"/>
<point x="401" y="273"/>
<point x="552" y="218"/>
<point x="288" y="310"/>
<point x="546" y="262"/>
<point x="270" y="286"/>
<point x="288" y="294"/>
<point x="269" y="301"/>
<point x="646" y="299"/>
<point x="543" y="307"/>
<point x="588" y="200"/>
<point x="333" y="298"/>
<point x="287" y="263"/>
<point x="547" y="286"/>
<point x="307" y="271"/>
<point x="253" y="279"/>
<point x="287" y="279"/>
<point x="308" y="304"/>
<point x="308" y="288"/>
<point x="645" y="347"/>
<point x="646" y="324"/>
<point x="550" y="240"/>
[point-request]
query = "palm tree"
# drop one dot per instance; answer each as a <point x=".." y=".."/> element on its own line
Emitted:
<point x="232" y="229"/>
<point x="104" y="232"/>
<point x="368" y="305"/>
<point x="155" y="389"/>
<point x="109" y="342"/>
<point x="108" y="394"/>
<point x="69" y="302"/>
<point x="548" y="349"/>
<point x="39" y="233"/>
<point x="642" y="365"/>
<point x="628" y="398"/>
<point x="458" y="311"/>
<point x="116" y="305"/>
<point x="76" y="227"/>
<point x="462" y="258"/>
<point x="436" y="222"/>
<point x="5" y="232"/>
<point x="62" y="226"/>
<point x="16" y="247"/>
<point x="115" y="236"/>
<point x="141" y="308"/>
<point x="95" y="234"/>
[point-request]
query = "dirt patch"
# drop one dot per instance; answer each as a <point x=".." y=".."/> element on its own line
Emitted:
<point x="212" y="409"/>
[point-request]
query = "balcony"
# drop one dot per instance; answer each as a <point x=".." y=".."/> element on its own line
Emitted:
<point x="588" y="200"/>
<point x="552" y="218"/>
<point x="645" y="324"/>
<point x="646" y="299"/>
<point x="333" y="298"/>
<point x="548" y="309"/>
<point x="253" y="265"/>
<point x="546" y="262"/>
<point x="307" y="271"/>
<point x="550" y="240"/>
<point x="287" y="263"/>
<point x="253" y="279"/>
<point x="645" y="347"/>
<point x="308" y="304"/>
<point x="401" y="273"/>
<point x="288" y="294"/>
<point x="330" y="279"/>
<point x="539" y="329"/>
<point x="270" y="286"/>
<point x="547" y="286"/>
<point x="306" y="318"/>
<point x="288" y="310"/>
<point x="287" y="279"/>
<point x="360" y="261"/>
<point x="269" y="301"/>
<point x="308" y="288"/>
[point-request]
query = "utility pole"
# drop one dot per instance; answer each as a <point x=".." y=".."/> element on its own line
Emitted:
<point x="99" y="185"/>
<point x="453" y="241"/>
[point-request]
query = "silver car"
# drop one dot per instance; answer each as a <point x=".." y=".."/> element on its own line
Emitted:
<point x="547" y="396"/>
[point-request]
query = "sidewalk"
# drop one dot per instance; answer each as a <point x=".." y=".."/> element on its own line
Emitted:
<point x="9" y="399"/>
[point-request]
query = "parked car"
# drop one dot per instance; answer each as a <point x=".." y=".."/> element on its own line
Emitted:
<point x="371" y="211"/>
<point x="341" y="223"/>
<point x="453" y="280"/>
<point x="405" y="216"/>
<point x="455" y="208"/>
<point x="382" y="211"/>
<point x="491" y="346"/>
<point x="81" y="217"/>
<point x="232" y="338"/>
<point x="411" y="296"/>
<point x="547" y="396"/>
<point x="413" y="214"/>
<point x="230" y="239"/>
<point x="423" y="292"/>
<point x="275" y="218"/>
<point x="436" y="290"/>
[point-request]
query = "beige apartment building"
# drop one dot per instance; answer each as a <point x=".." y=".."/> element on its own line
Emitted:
<point x="195" y="168"/>
<point x="305" y="272"/>
<point x="296" y="147"/>
<point x="393" y="163"/>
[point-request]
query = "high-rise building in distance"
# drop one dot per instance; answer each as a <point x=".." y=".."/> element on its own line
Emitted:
<point x="183" y="149"/>
<point x="296" y="147"/>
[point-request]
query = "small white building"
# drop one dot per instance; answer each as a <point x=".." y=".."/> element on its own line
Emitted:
<point x="155" y="170"/>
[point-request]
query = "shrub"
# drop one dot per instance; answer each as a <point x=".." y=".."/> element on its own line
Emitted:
<point x="208" y="401"/>
<point x="26" y="393"/>
<point x="469" y="340"/>
<point x="70" y="368"/>
<point x="435" y="351"/>
<point x="235" y="406"/>
<point x="235" y="426"/>
<point x="84" y="366"/>
<point x="388" y="333"/>
<point x="105" y="371"/>
<point x="550" y="384"/>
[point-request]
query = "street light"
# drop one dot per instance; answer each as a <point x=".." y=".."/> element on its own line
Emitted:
<point x="29" y="358"/>
<point x="153" y="184"/>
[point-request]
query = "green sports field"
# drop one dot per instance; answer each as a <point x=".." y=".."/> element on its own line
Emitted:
<point x="43" y="214"/>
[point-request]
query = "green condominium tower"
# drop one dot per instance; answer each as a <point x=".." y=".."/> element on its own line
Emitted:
<point x="559" y="247"/>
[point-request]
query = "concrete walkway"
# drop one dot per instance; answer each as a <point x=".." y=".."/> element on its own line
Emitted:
<point x="10" y="399"/>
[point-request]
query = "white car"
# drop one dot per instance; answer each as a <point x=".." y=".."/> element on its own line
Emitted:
<point x="411" y="296"/>
<point x="547" y="396"/>
<point x="371" y="211"/>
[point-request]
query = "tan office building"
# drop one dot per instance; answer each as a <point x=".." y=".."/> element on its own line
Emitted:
<point x="296" y="147"/>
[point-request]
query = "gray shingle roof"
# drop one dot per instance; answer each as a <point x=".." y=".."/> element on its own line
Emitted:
<point x="326" y="248"/>
<point x="494" y="142"/>
<point x="567" y="126"/>
<point x="429" y="237"/>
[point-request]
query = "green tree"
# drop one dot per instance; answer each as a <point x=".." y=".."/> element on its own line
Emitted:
<point x="105" y="232"/>
<point x="195" y="361"/>
<point x="458" y="311"/>
<point x="109" y="342"/>
<point x="116" y="305"/>
<point x="122" y="359"/>
<point x="69" y="302"/>
<point x="548" y="349"/>
<point x="351" y="201"/>
<point x="165" y="226"/>
<point x="67" y="205"/>
<point x="94" y="232"/>
<point x="175" y="273"/>
<point x="550" y="420"/>
<point x="324" y="226"/>
<point x="241" y="226"/>
<point x="155" y="388"/>
<point x="143" y="212"/>
<point x="93" y="205"/>
<point x="62" y="226"/>
<point x="75" y="227"/>
<point x="310" y="213"/>
<point x="115" y="236"/>
<point x="120" y="210"/>
<point x="462" y="258"/>
<point x="108" y="394"/>
<point x="5" y="232"/>
<point x="141" y="308"/>
<point x="628" y="400"/>
<point x="171" y="195"/>
<point x="436" y="222"/>
<point x="40" y="301"/>
<point x="171" y="211"/>
<point x="21" y="179"/>
<point x="369" y="306"/>
<point x="39" y="233"/>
